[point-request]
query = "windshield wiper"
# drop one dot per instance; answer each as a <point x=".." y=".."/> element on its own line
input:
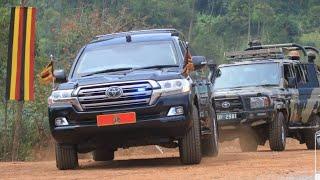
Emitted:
<point x="107" y="71"/>
<point x="267" y="85"/>
<point x="236" y="87"/>
<point x="157" y="67"/>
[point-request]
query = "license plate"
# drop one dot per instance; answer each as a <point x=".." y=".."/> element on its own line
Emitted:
<point x="227" y="116"/>
<point x="116" y="119"/>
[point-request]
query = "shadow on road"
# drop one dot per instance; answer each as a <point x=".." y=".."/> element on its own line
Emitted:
<point x="223" y="158"/>
<point x="133" y="163"/>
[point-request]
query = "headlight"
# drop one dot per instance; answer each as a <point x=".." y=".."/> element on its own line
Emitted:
<point x="64" y="97"/>
<point x="61" y="95"/>
<point x="175" y="86"/>
<point x="259" y="102"/>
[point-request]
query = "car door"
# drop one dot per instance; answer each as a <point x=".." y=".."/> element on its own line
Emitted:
<point x="309" y="92"/>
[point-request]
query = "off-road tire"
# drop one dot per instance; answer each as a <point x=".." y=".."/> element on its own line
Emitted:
<point x="278" y="133"/>
<point x="103" y="155"/>
<point x="66" y="157"/>
<point x="210" y="143"/>
<point x="309" y="134"/>
<point x="190" y="144"/>
<point x="248" y="140"/>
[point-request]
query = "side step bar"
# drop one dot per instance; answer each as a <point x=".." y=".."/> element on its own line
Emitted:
<point x="304" y="127"/>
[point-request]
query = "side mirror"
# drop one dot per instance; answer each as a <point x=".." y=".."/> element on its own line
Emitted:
<point x="60" y="76"/>
<point x="199" y="62"/>
<point x="212" y="73"/>
<point x="291" y="82"/>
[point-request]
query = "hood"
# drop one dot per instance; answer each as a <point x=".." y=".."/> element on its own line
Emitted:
<point x="248" y="91"/>
<point x="143" y="74"/>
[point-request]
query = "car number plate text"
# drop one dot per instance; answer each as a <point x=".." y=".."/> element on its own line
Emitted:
<point x="226" y="116"/>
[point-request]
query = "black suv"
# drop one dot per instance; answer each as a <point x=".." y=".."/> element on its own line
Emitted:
<point x="130" y="89"/>
<point x="266" y="93"/>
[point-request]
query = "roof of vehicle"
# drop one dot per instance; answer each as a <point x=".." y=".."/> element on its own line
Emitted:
<point x="140" y="35"/>
<point x="258" y="61"/>
<point x="134" y="38"/>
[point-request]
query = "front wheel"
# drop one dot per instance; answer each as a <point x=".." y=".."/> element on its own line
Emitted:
<point x="210" y="143"/>
<point x="66" y="157"/>
<point x="190" y="144"/>
<point x="277" y="133"/>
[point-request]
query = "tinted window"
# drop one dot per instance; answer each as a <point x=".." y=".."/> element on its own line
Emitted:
<point x="288" y="72"/>
<point x="182" y="47"/>
<point x="299" y="75"/>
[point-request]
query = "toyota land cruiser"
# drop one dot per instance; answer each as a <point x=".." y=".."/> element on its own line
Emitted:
<point x="130" y="89"/>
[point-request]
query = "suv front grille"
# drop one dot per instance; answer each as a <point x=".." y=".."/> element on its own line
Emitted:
<point x="134" y="94"/>
<point x="234" y="102"/>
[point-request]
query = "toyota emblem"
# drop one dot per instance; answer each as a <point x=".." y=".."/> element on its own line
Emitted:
<point x="114" y="92"/>
<point x="225" y="104"/>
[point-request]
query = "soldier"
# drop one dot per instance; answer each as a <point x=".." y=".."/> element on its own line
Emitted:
<point x="294" y="55"/>
<point x="311" y="57"/>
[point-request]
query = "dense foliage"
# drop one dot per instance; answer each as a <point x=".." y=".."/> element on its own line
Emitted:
<point x="211" y="26"/>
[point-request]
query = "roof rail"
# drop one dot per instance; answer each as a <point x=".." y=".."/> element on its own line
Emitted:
<point x="275" y="53"/>
<point x="173" y="32"/>
<point x="292" y="46"/>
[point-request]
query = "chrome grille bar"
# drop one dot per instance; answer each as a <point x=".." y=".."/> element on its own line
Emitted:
<point x="115" y="103"/>
<point x="128" y="95"/>
<point x="134" y="93"/>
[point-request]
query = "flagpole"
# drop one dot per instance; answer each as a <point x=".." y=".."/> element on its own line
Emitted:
<point x="5" y="127"/>
<point x="17" y="122"/>
<point x="52" y="60"/>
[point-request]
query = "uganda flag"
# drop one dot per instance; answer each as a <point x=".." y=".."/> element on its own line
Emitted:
<point x="188" y="65"/>
<point x="46" y="75"/>
<point x="21" y="51"/>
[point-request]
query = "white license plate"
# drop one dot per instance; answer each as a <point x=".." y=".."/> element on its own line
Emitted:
<point x="227" y="116"/>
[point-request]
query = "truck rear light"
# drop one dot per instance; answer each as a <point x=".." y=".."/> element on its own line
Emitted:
<point x="174" y="111"/>
<point x="61" y="121"/>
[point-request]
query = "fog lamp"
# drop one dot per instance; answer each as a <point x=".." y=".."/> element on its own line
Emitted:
<point x="61" y="121"/>
<point x="174" y="111"/>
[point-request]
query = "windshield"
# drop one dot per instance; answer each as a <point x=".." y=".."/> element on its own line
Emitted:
<point x="127" y="55"/>
<point x="247" y="75"/>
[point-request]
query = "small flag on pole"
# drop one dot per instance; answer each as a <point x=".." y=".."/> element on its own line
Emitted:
<point x="188" y="65"/>
<point x="46" y="75"/>
<point x="21" y="52"/>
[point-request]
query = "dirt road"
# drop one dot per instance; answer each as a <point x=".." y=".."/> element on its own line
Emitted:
<point x="294" y="163"/>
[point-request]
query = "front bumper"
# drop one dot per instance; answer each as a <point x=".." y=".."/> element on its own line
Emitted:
<point x="248" y="118"/>
<point x="151" y="127"/>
